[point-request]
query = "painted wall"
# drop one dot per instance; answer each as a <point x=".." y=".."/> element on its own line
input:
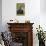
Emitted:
<point x="43" y="6"/>
<point x="32" y="13"/>
<point x="0" y="15"/>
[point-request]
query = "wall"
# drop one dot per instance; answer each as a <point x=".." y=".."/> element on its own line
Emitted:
<point x="32" y="9"/>
<point x="43" y="6"/>
<point x="0" y="15"/>
<point x="43" y="14"/>
<point x="32" y="13"/>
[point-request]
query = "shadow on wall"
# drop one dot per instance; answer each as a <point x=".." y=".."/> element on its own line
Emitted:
<point x="0" y="15"/>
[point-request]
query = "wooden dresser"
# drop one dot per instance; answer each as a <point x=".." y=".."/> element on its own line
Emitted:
<point x="22" y="33"/>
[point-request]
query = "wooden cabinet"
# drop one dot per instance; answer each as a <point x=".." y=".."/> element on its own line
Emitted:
<point x="22" y="33"/>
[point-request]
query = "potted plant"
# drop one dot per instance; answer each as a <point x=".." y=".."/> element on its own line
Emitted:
<point x="41" y="36"/>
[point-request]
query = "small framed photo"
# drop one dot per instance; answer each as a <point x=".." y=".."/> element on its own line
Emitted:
<point x="20" y="9"/>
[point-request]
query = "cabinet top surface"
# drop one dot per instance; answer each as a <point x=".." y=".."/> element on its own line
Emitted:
<point x="19" y="23"/>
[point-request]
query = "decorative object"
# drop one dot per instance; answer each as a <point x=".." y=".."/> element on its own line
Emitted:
<point x="1" y="40"/>
<point x="45" y="35"/>
<point x="41" y="36"/>
<point x="27" y="21"/>
<point x="13" y="21"/>
<point x="20" y="9"/>
<point x="7" y="38"/>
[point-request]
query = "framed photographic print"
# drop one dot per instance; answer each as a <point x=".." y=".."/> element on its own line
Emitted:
<point x="20" y="9"/>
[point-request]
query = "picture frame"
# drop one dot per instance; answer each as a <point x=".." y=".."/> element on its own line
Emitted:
<point x="20" y="9"/>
